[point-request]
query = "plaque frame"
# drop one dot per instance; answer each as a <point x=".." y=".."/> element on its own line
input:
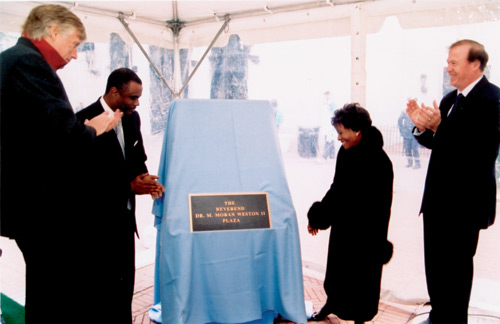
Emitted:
<point x="237" y="213"/>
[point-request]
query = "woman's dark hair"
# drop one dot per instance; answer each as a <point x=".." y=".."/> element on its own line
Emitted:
<point x="353" y="117"/>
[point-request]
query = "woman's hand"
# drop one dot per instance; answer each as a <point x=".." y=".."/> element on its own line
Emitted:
<point x="311" y="230"/>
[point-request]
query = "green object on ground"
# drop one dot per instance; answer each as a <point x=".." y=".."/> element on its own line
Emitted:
<point x="12" y="312"/>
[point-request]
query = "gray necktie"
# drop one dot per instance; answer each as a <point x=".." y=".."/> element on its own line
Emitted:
<point x="120" y="136"/>
<point x="121" y="139"/>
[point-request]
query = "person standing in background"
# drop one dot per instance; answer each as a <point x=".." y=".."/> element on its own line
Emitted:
<point x="328" y="110"/>
<point x="41" y="142"/>
<point x="460" y="189"/>
<point x="410" y="144"/>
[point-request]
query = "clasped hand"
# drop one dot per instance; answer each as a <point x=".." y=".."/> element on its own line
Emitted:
<point x="146" y="184"/>
<point x="424" y="117"/>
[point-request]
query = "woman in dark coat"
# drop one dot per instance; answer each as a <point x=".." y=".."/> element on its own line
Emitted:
<point x="357" y="208"/>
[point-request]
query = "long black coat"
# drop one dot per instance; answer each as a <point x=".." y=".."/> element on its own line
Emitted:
<point x="41" y="190"/>
<point x="358" y="208"/>
<point x="41" y="140"/>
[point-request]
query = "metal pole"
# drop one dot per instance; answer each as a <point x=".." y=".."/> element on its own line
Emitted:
<point x="206" y="52"/>
<point x="358" y="56"/>
<point x="122" y="20"/>
<point x="177" y="58"/>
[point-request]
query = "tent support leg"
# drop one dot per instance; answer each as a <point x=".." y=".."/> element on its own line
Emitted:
<point x="122" y="20"/>
<point x="175" y="94"/>
<point x="176" y="25"/>
<point x="206" y="52"/>
<point x="358" y="56"/>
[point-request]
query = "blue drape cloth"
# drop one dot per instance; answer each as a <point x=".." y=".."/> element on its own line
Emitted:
<point x="230" y="276"/>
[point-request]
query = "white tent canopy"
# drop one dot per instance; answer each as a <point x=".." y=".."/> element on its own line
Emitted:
<point x="255" y="21"/>
<point x="188" y="24"/>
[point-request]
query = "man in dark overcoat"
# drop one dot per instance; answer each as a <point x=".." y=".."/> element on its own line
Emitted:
<point x="41" y="142"/>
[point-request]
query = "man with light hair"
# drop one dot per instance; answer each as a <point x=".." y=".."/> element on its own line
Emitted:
<point x="42" y="203"/>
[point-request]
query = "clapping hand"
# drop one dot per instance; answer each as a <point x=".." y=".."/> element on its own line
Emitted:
<point x="115" y="119"/>
<point x="424" y="117"/>
<point x="104" y="122"/>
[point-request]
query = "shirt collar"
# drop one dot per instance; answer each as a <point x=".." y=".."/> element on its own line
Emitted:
<point x="49" y="53"/>
<point x="105" y="105"/>
<point x="108" y="109"/>
<point x="469" y="88"/>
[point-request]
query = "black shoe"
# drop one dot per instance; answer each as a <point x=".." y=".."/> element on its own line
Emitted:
<point x="321" y="315"/>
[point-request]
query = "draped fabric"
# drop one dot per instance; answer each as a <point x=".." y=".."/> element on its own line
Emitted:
<point x="229" y="276"/>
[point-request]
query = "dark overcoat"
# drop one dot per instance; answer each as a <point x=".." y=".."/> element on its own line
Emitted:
<point x="41" y="188"/>
<point x="40" y="141"/>
<point x="357" y="208"/>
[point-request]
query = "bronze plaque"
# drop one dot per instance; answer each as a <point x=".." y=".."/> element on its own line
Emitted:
<point x="232" y="211"/>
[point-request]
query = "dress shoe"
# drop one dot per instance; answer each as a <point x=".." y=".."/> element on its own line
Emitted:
<point x="321" y="315"/>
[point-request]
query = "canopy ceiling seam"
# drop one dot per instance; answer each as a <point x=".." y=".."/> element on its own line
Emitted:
<point x="267" y="10"/>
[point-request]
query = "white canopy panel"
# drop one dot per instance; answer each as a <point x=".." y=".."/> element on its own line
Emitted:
<point x="255" y="21"/>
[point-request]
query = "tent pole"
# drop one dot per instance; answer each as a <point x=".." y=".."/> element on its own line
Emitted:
<point x="358" y="56"/>
<point x="206" y="52"/>
<point x="122" y="20"/>
<point x="177" y="66"/>
<point x="176" y="27"/>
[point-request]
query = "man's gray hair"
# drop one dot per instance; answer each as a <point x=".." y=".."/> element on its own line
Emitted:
<point x="41" y="18"/>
